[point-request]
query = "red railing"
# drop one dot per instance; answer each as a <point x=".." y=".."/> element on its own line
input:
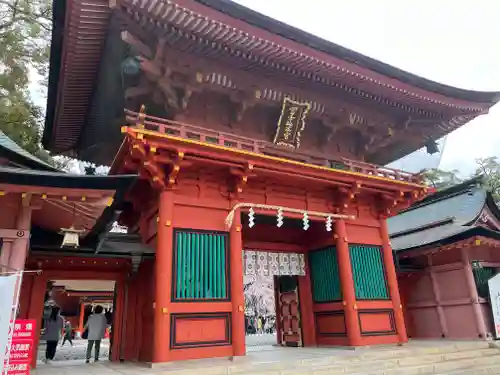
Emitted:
<point x="197" y="133"/>
<point x="201" y="134"/>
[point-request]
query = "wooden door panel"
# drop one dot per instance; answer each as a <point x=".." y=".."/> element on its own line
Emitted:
<point x="289" y="312"/>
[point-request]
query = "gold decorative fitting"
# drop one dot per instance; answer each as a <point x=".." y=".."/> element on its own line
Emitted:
<point x="238" y="228"/>
<point x="344" y="303"/>
<point x="84" y="198"/>
<point x="355" y="307"/>
<point x="477" y="242"/>
<point x="245" y="178"/>
<point x="168" y="223"/>
<point x="199" y="77"/>
<point x="110" y="201"/>
<point x="250" y="166"/>
<point x="64" y="198"/>
<point x="155" y="178"/>
<point x="240" y="190"/>
<point x="2" y="193"/>
<point x="140" y="136"/>
<point x="146" y="162"/>
<point x="346" y="205"/>
<point x="164" y="310"/>
<point x="171" y="180"/>
<point x="44" y="196"/>
<point x="351" y="196"/>
<point x="400" y="306"/>
<point x="157" y="219"/>
<point x="23" y="195"/>
<point x="258" y="94"/>
<point x="177" y="168"/>
<point x="152" y="149"/>
<point x="358" y="185"/>
<point x="180" y="154"/>
<point x="123" y="129"/>
<point x="135" y="146"/>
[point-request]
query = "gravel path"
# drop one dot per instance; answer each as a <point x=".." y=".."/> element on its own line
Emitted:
<point x="78" y="351"/>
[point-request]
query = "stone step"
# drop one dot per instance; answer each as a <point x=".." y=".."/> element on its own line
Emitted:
<point x="413" y="365"/>
<point x="369" y="361"/>
<point x="363" y="356"/>
<point x="467" y="366"/>
<point x="476" y="370"/>
<point x="418" y="360"/>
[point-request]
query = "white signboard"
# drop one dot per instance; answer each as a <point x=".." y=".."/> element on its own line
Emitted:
<point x="494" y="287"/>
<point x="7" y="306"/>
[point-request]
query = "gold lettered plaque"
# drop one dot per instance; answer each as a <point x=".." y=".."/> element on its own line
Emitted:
<point x="291" y="123"/>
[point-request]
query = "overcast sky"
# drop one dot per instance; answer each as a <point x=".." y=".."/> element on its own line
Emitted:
<point x="452" y="42"/>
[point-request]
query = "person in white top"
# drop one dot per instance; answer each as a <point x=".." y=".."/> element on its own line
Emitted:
<point x="96" y="326"/>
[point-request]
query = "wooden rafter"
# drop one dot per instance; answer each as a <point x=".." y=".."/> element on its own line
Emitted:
<point x="351" y="116"/>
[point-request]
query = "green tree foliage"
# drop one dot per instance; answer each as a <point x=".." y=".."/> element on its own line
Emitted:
<point x="490" y="169"/>
<point x="24" y="48"/>
<point x="487" y="167"/>
<point x="440" y="179"/>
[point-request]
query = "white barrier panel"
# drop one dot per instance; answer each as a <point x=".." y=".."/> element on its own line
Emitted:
<point x="8" y="305"/>
<point x="494" y="287"/>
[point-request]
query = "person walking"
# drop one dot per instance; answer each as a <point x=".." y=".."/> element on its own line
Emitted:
<point x="96" y="326"/>
<point x="53" y="328"/>
<point x="68" y="332"/>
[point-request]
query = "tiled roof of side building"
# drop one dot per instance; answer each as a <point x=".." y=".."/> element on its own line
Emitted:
<point x="442" y="215"/>
<point x="15" y="153"/>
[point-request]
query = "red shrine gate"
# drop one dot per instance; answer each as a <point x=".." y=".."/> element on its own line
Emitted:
<point x="190" y="214"/>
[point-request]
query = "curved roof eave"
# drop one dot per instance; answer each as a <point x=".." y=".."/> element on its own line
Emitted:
<point x="283" y="30"/>
<point x="461" y="235"/>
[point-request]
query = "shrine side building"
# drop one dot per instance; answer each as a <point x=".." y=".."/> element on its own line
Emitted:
<point x="446" y="250"/>
<point x="259" y="150"/>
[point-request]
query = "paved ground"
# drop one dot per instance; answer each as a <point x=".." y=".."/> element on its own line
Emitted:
<point x="78" y="351"/>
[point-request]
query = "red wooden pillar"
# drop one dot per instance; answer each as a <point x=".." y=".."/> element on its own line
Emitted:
<point x="347" y="285"/>
<point x="19" y="249"/>
<point x="25" y="296"/>
<point x="35" y="310"/>
<point x="474" y="297"/>
<point x="392" y="282"/>
<point x="118" y="308"/>
<point x="237" y="296"/>
<point x="306" y="307"/>
<point x="163" y="278"/>
<point x="81" y="319"/>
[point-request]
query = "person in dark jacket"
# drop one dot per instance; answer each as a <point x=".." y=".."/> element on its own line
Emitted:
<point x="68" y="332"/>
<point x="53" y="328"/>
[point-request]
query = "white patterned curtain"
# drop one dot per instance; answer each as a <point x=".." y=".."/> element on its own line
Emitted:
<point x="266" y="263"/>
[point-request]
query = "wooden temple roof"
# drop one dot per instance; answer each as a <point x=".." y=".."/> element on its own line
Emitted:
<point x="13" y="155"/>
<point x="223" y="31"/>
<point x="60" y="200"/>
<point x="450" y="215"/>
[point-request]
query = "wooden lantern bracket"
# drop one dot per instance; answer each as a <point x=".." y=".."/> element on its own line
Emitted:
<point x="345" y="196"/>
<point x="241" y="176"/>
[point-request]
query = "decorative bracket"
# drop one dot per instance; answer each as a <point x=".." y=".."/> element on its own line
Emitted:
<point x="176" y="167"/>
<point x="241" y="179"/>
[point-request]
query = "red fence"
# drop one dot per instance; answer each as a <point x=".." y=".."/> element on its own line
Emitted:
<point x="201" y="134"/>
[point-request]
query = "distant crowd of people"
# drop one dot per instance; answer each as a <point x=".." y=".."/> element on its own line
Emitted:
<point x="260" y="324"/>
<point x="56" y="327"/>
